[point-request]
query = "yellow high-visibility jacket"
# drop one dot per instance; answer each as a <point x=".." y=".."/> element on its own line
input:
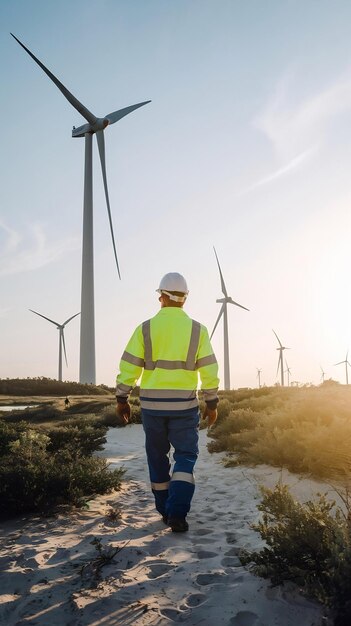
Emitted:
<point x="173" y="353"/>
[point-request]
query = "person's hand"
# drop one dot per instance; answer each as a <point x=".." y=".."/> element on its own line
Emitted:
<point x="211" y="415"/>
<point x="123" y="412"/>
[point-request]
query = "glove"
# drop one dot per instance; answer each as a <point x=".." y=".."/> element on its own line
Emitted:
<point x="123" y="412"/>
<point x="211" y="415"/>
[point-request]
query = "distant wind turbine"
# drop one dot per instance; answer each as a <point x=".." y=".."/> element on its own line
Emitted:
<point x="323" y="375"/>
<point x="95" y="125"/>
<point x="259" y="377"/>
<point x="346" y="361"/>
<point x="288" y="372"/>
<point x="60" y="328"/>
<point x="280" y="360"/>
<point x="225" y="301"/>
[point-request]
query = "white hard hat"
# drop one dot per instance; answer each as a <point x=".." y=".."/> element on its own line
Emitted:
<point x="173" y="282"/>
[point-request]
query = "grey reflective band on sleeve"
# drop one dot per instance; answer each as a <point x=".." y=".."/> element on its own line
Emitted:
<point x="184" y="476"/>
<point x="205" y="360"/>
<point x="159" y="486"/>
<point x="210" y="394"/>
<point x="134" y="360"/>
<point x="121" y="389"/>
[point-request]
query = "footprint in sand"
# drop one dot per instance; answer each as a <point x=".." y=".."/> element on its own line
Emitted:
<point x="171" y="614"/>
<point x="203" y="531"/>
<point x="230" y="561"/>
<point x="195" y="599"/>
<point x="214" y="578"/>
<point x="232" y="552"/>
<point x="158" y="569"/>
<point x="244" y="618"/>
<point x="204" y="554"/>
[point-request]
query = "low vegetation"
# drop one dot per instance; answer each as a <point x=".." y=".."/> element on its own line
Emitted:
<point x="306" y="430"/>
<point x="308" y="544"/>
<point x="42" y="386"/>
<point x="44" y="466"/>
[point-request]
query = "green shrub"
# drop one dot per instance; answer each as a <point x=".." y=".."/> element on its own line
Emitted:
<point x="307" y="544"/>
<point x="45" y="413"/>
<point x="80" y="439"/>
<point x="42" y="386"/>
<point x="306" y="430"/>
<point x="40" y="469"/>
<point x="223" y="409"/>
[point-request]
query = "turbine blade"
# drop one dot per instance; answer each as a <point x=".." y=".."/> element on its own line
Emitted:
<point x="117" y="115"/>
<point x="340" y="363"/>
<point x="90" y="117"/>
<point x="64" y="346"/>
<point x="231" y="301"/>
<point x="218" y="318"/>
<point x="224" y="290"/>
<point x="281" y="345"/>
<point x="45" y="318"/>
<point x="70" y="318"/>
<point x="101" y="143"/>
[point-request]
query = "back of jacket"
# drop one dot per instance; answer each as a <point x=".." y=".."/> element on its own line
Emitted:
<point x="174" y="354"/>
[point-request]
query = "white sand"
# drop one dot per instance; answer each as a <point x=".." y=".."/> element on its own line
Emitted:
<point x="158" y="577"/>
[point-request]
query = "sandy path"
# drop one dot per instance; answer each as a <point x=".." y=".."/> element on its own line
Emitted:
<point x="158" y="577"/>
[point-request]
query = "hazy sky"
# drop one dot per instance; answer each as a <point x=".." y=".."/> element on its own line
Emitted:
<point x="246" y="146"/>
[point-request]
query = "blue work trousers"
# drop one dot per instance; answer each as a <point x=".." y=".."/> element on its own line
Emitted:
<point x="172" y="491"/>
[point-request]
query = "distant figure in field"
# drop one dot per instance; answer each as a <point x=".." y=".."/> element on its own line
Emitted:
<point x="67" y="402"/>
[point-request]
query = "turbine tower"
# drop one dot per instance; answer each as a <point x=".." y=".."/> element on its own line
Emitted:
<point x="95" y="125"/>
<point x="225" y="301"/>
<point x="259" y="377"/>
<point x="323" y="374"/>
<point x="60" y="328"/>
<point x="346" y="361"/>
<point x="288" y="372"/>
<point x="280" y="360"/>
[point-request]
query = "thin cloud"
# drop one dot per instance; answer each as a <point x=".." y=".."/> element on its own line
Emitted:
<point x="23" y="253"/>
<point x="293" y="129"/>
<point x="296" y="132"/>
<point x="286" y="169"/>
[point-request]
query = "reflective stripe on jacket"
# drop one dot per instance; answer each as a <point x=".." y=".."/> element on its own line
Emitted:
<point x="171" y="351"/>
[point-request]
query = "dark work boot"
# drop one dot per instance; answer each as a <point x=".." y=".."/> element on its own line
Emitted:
<point x="178" y="524"/>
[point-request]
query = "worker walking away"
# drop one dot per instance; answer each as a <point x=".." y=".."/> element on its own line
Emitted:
<point x="172" y="352"/>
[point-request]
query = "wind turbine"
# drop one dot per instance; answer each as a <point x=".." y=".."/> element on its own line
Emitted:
<point x="323" y="374"/>
<point x="259" y="377"/>
<point x="288" y="371"/>
<point x="95" y="125"/>
<point x="346" y="361"/>
<point x="60" y="328"/>
<point x="226" y="300"/>
<point x="280" y="360"/>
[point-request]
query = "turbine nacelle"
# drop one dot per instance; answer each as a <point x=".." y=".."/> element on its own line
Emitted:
<point x="100" y="124"/>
